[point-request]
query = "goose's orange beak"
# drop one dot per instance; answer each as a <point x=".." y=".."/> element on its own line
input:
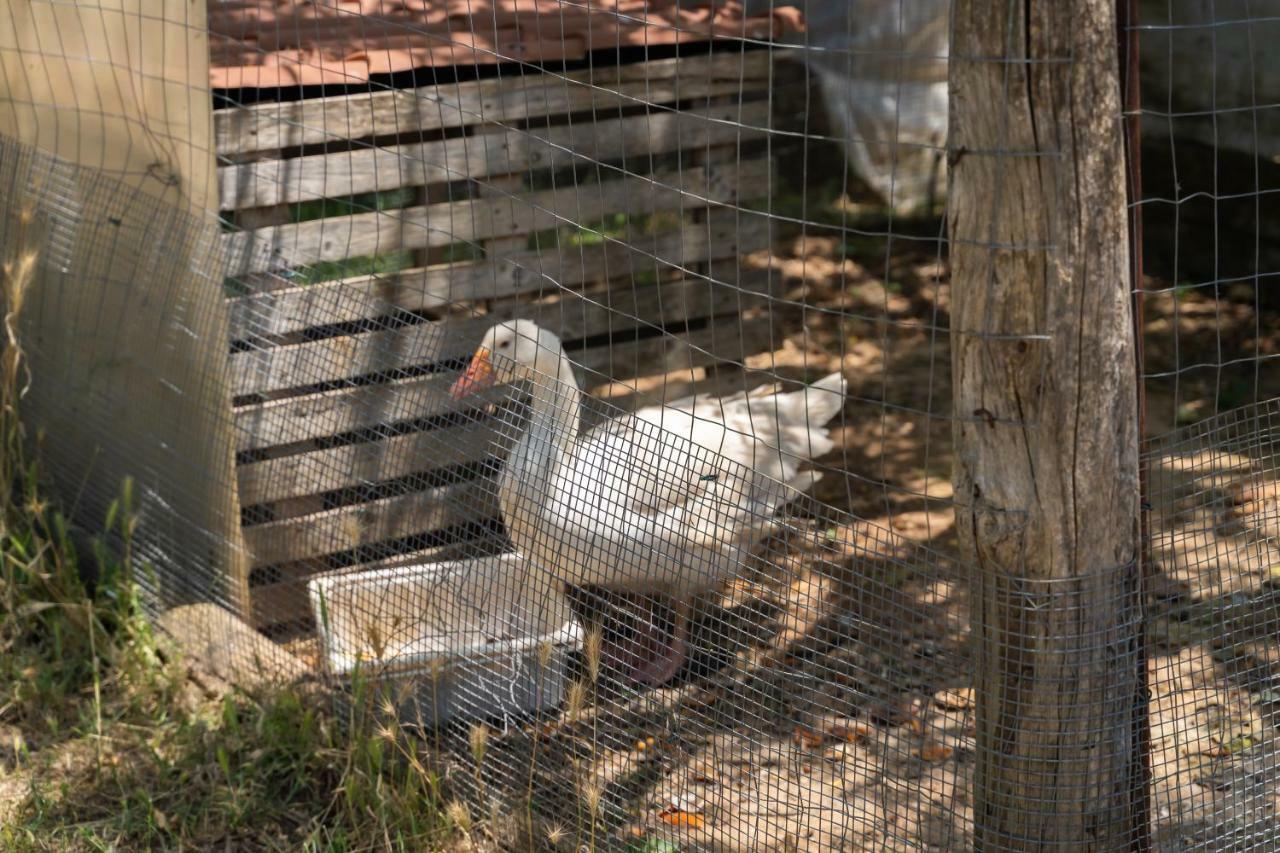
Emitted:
<point x="479" y="376"/>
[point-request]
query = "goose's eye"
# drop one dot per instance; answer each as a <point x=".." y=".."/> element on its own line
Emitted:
<point x="504" y="344"/>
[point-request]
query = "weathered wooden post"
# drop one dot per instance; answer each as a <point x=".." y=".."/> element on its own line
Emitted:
<point x="106" y="135"/>
<point x="1046" y="426"/>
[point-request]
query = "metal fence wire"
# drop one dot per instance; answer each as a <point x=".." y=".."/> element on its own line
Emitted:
<point x="589" y="378"/>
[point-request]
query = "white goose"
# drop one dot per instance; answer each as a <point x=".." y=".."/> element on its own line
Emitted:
<point x="664" y="502"/>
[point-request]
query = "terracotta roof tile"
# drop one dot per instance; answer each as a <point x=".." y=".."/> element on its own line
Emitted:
<point x="267" y="43"/>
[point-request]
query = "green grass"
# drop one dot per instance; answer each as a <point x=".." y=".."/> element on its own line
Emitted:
<point x="597" y="232"/>
<point x="615" y="226"/>
<point x="269" y="771"/>
<point x="384" y="264"/>
<point x="353" y="204"/>
<point x="107" y="743"/>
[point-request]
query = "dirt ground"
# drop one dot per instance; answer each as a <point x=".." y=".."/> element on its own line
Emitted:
<point x="843" y="718"/>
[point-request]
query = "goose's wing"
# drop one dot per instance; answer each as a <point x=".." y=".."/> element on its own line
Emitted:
<point x="770" y="433"/>
<point x="636" y="466"/>
<point x="688" y="543"/>
<point x="653" y="459"/>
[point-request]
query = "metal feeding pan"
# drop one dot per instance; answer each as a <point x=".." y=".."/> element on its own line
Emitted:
<point x="475" y="638"/>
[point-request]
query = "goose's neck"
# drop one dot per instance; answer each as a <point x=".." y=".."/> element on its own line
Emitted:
<point x="553" y="426"/>
<point x="553" y="418"/>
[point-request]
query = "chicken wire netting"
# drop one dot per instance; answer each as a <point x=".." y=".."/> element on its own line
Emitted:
<point x="1207" y="202"/>
<point x="590" y="393"/>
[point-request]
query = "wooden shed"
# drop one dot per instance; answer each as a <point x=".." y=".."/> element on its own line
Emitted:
<point x="422" y="169"/>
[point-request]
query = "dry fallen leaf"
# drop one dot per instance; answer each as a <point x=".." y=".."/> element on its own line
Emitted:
<point x="808" y="738"/>
<point x="934" y="752"/>
<point x="678" y="817"/>
<point x="850" y="732"/>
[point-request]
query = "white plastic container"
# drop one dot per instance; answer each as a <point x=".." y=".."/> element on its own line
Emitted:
<point x="474" y="638"/>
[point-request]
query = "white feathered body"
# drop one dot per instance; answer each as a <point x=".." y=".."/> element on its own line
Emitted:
<point x="668" y="499"/>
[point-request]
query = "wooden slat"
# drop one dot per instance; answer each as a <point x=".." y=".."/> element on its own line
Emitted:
<point x="316" y="471"/>
<point x="273" y="181"/>
<point x="506" y="189"/>
<point x="573" y="316"/>
<point x="313" y="416"/>
<point x="350" y="527"/>
<point x="342" y="237"/>
<point x="729" y="339"/>
<point x="300" y="365"/>
<point x="498" y="100"/>
<point x="284" y="422"/>
<point x="367" y="462"/>
<point x="727" y="235"/>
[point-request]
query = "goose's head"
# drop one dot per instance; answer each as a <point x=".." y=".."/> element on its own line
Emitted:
<point x="510" y="352"/>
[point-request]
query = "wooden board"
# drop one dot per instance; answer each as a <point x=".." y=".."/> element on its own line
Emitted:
<point x="363" y="463"/>
<point x="728" y="234"/>
<point x="316" y="471"/>
<point x="470" y="220"/>
<point x="312" y="121"/>
<point x="349" y="527"/>
<point x="298" y="419"/>
<point x="504" y="151"/>
<point x="573" y="316"/>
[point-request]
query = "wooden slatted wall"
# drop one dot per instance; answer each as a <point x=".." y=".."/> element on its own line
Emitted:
<point x="611" y="205"/>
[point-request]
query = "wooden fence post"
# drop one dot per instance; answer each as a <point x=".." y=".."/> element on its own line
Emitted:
<point x="1046" y="427"/>
<point x="125" y="327"/>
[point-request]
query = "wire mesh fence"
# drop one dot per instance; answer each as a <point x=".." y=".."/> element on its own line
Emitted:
<point x="591" y="378"/>
<point x="1208" y="181"/>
